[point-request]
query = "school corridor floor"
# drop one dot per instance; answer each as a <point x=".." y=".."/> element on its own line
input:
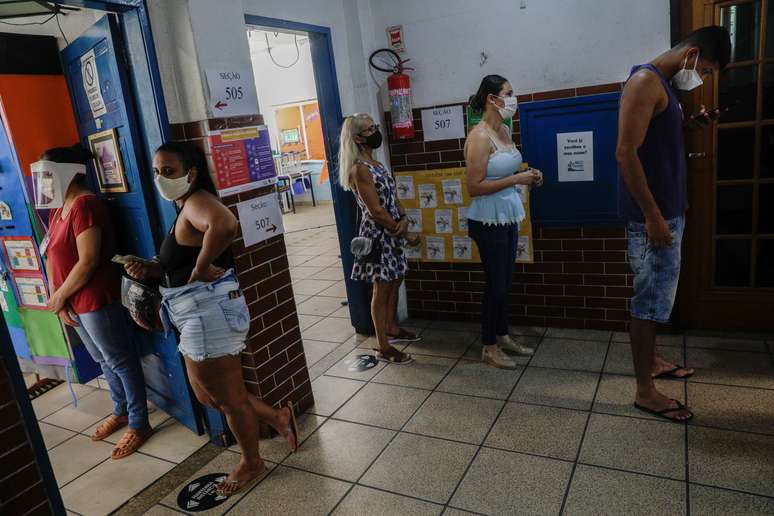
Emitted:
<point x="448" y="435"/>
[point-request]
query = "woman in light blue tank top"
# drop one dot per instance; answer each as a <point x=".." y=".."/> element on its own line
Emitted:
<point x="493" y="170"/>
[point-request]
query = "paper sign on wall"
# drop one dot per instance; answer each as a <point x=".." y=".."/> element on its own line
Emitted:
<point x="575" y="155"/>
<point x="90" y="78"/>
<point x="260" y="219"/>
<point x="32" y="291"/>
<point x="443" y="123"/>
<point x="21" y="254"/>
<point x="232" y="91"/>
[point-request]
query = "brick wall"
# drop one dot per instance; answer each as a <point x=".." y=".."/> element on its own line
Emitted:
<point x="21" y="483"/>
<point x="580" y="277"/>
<point x="273" y="365"/>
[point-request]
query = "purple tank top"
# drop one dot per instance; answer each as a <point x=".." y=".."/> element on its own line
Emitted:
<point x="663" y="158"/>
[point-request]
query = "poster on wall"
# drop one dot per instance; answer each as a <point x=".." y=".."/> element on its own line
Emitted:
<point x="91" y="84"/>
<point x="437" y="210"/>
<point x="242" y="158"/>
<point x="108" y="162"/>
<point x="575" y="156"/>
<point x="31" y="291"/>
<point x="21" y="254"/>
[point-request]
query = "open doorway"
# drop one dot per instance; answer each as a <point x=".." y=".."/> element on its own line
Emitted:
<point x="66" y="78"/>
<point x="287" y="93"/>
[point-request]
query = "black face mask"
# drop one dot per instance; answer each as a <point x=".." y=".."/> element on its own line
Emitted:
<point x="374" y="140"/>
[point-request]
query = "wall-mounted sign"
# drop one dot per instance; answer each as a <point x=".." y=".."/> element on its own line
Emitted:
<point x="260" y="219"/>
<point x="91" y="84"/>
<point x="32" y="291"/>
<point x="443" y="123"/>
<point x="395" y="38"/>
<point x="575" y="156"/>
<point x="232" y="91"/>
<point x="108" y="162"/>
<point x="243" y="159"/>
<point x="21" y="254"/>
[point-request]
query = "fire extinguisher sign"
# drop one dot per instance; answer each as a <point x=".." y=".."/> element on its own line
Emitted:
<point x="443" y="123"/>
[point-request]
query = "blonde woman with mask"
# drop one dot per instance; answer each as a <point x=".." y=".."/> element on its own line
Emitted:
<point x="384" y="223"/>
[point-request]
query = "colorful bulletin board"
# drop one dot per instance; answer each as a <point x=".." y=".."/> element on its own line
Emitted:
<point x="25" y="272"/>
<point x="436" y="205"/>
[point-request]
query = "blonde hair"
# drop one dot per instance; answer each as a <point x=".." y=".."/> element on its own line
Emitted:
<point x="349" y="149"/>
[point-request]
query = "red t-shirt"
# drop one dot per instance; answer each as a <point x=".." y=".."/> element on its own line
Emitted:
<point x="104" y="287"/>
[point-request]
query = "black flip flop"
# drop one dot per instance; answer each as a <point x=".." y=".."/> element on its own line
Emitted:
<point x="671" y="373"/>
<point x="663" y="413"/>
<point x="293" y="424"/>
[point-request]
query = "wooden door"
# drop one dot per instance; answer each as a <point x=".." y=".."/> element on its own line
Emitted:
<point x="728" y="269"/>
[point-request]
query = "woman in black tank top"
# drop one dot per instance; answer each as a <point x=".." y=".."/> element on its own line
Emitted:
<point x="203" y="301"/>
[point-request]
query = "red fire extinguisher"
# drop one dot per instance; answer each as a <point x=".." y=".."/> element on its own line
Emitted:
<point x="399" y="85"/>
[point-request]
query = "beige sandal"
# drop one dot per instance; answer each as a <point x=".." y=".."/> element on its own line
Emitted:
<point x="130" y="442"/>
<point x="109" y="426"/>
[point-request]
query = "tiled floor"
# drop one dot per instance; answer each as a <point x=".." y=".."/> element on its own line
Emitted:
<point x="90" y="482"/>
<point x="449" y="435"/>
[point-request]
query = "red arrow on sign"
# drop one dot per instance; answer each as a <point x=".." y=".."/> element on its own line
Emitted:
<point x="220" y="105"/>
<point x="273" y="228"/>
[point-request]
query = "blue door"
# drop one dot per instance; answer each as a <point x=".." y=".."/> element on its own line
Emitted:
<point x="95" y="62"/>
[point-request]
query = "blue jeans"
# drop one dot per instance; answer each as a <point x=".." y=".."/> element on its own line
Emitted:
<point x="497" y="246"/>
<point x="656" y="272"/>
<point x="107" y="338"/>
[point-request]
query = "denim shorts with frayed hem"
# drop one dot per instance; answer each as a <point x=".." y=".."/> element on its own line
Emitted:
<point x="656" y="272"/>
<point x="212" y="318"/>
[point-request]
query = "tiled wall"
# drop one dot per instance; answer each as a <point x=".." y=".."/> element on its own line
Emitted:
<point x="580" y="277"/>
<point x="21" y="484"/>
<point x="273" y="365"/>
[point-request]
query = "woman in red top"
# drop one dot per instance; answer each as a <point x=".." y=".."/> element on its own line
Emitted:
<point x="86" y="292"/>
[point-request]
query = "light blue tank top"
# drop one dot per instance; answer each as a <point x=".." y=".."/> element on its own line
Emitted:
<point x="505" y="206"/>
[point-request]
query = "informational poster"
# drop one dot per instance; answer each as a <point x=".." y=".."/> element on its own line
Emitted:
<point x="405" y="185"/>
<point x="428" y="195"/>
<point x="243" y="159"/>
<point x="260" y="219"/>
<point x="21" y="254"/>
<point x="232" y="91"/>
<point x="575" y="155"/>
<point x="443" y="123"/>
<point x="32" y="291"/>
<point x="91" y="84"/>
<point x="438" y="211"/>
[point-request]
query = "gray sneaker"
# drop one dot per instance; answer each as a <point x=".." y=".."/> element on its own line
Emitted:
<point x="495" y="356"/>
<point x="516" y="345"/>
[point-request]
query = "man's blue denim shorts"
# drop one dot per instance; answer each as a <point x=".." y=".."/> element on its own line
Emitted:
<point x="656" y="272"/>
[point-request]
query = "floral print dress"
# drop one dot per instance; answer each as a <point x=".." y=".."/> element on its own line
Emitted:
<point x="391" y="263"/>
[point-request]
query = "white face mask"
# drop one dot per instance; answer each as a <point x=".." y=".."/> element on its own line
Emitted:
<point x="50" y="182"/>
<point x="688" y="80"/>
<point x="172" y="189"/>
<point x="510" y="107"/>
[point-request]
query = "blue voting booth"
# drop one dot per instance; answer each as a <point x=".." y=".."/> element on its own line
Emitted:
<point x="572" y="141"/>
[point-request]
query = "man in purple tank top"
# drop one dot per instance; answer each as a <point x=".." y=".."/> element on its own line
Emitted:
<point x="651" y="158"/>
